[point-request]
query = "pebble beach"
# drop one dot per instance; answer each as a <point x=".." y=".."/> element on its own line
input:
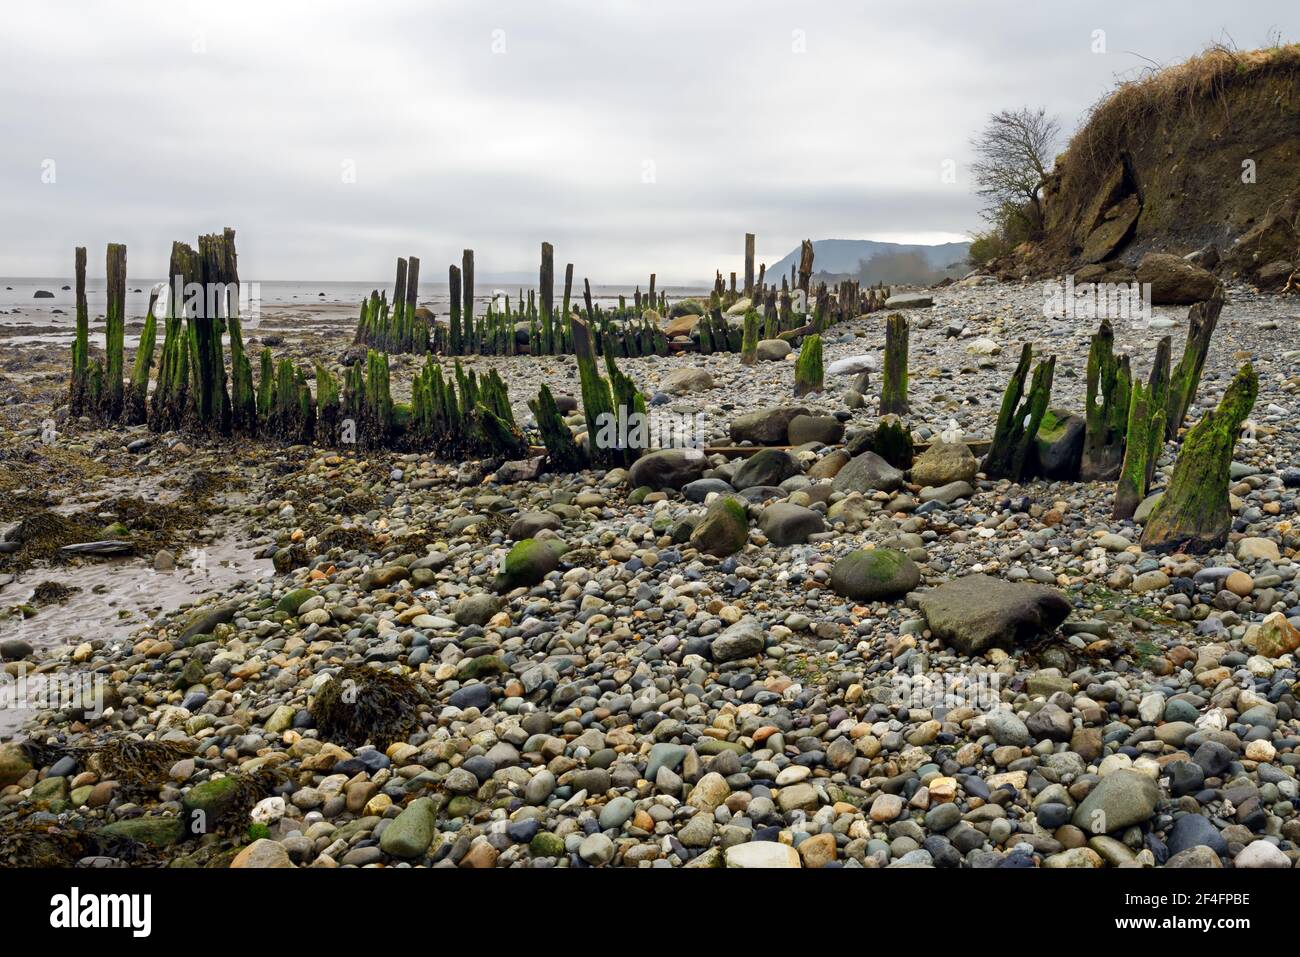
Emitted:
<point x="655" y="677"/>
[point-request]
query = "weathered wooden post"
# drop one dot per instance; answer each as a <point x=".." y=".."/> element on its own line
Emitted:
<point x="243" y="399"/>
<point x="80" y="384"/>
<point x="1194" y="512"/>
<point x="808" y="372"/>
<point x="410" y="340"/>
<point x="805" y="267"/>
<point x="265" y="385"/>
<point x="399" y="304"/>
<point x="893" y="380"/>
<point x="135" y="405"/>
<point x="467" y="288"/>
<point x="1146" y="433"/>
<point x="749" y="265"/>
<point x="1018" y="421"/>
<point x="170" y="397"/>
<point x="209" y="401"/>
<point x="114" y="333"/>
<point x="455" y="333"/>
<point x="563" y="453"/>
<point x="1106" y="414"/>
<point x="749" y="343"/>
<point x="1186" y="377"/>
<point x="327" y="406"/>
<point x="546" y="286"/>
<point x="568" y="294"/>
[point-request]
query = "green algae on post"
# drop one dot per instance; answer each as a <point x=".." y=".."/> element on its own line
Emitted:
<point x="1194" y="513"/>
<point x="893" y="382"/>
<point x="1018" y="421"/>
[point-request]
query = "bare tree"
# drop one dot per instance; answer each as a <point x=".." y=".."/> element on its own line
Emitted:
<point x="1013" y="156"/>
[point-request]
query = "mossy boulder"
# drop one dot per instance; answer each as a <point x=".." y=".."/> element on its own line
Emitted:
<point x="206" y="802"/>
<point x="203" y="621"/>
<point x="528" y="562"/>
<point x="686" y="307"/>
<point x="294" y="600"/>
<point x="50" y="789"/>
<point x="154" y="830"/>
<point x="724" y="530"/>
<point x="546" y="844"/>
<point x="874" y="574"/>
<point x="410" y="834"/>
<point x="480" y="666"/>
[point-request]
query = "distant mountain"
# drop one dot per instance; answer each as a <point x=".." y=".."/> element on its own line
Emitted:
<point x="871" y="261"/>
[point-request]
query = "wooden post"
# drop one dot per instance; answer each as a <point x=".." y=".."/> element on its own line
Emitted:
<point x="1194" y="513"/>
<point x="412" y="283"/>
<point x="1186" y="377"/>
<point x="114" y="333"/>
<point x="563" y="453"/>
<point x="211" y="403"/>
<point x="455" y="335"/>
<point x="410" y="338"/>
<point x="1107" y="411"/>
<point x="749" y="264"/>
<point x="135" y="403"/>
<point x="749" y="342"/>
<point x="893" y="382"/>
<point x="546" y="287"/>
<point x="243" y="398"/>
<point x="1018" y="422"/>
<point x="168" y="404"/>
<point x="547" y="283"/>
<point x="1146" y="434"/>
<point x="467" y="308"/>
<point x="808" y="369"/>
<point x="79" y="385"/>
<point x="399" y="287"/>
<point x="805" y="267"/>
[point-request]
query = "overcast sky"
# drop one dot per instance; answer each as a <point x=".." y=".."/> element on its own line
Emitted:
<point x="635" y="136"/>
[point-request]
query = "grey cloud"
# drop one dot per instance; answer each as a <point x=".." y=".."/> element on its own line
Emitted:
<point x="456" y="145"/>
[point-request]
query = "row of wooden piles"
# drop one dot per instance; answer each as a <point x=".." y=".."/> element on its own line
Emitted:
<point x="456" y="415"/>
<point x="531" y="326"/>
<point x="191" y="381"/>
<point x="534" y="326"/>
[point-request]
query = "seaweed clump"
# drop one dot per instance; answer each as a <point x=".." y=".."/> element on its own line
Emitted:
<point x="362" y="705"/>
<point x="137" y="766"/>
